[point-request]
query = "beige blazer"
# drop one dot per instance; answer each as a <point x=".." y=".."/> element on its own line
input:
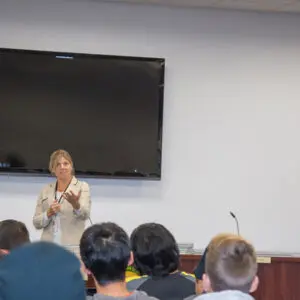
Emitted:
<point x="72" y="224"/>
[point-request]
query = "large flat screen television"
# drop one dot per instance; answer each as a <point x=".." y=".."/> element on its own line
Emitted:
<point x="106" y="111"/>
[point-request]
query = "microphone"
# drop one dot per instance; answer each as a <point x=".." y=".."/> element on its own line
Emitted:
<point x="236" y="221"/>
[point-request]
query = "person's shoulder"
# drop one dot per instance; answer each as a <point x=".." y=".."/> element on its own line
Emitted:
<point x="143" y="296"/>
<point x="80" y="183"/>
<point x="188" y="276"/>
<point x="84" y="184"/>
<point x="135" y="282"/>
<point x="48" y="186"/>
<point x="192" y="297"/>
<point x="225" y="295"/>
<point x="136" y="278"/>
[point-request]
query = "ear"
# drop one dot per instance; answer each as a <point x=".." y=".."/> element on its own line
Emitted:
<point x="131" y="259"/>
<point x="254" y="285"/>
<point x="206" y="283"/>
<point x="85" y="270"/>
<point x="4" y="251"/>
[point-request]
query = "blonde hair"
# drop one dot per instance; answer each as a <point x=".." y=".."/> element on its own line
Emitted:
<point x="55" y="156"/>
<point x="230" y="263"/>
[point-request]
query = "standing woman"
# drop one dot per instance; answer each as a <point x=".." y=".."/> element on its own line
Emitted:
<point x="63" y="206"/>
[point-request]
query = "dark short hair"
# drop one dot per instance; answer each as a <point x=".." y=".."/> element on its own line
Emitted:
<point x="13" y="234"/>
<point x="230" y="263"/>
<point x="105" y="251"/>
<point x="155" y="250"/>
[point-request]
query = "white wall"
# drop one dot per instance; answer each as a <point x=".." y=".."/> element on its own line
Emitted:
<point x="231" y="122"/>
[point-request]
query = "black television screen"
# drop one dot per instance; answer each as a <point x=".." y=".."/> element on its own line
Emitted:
<point x="106" y="111"/>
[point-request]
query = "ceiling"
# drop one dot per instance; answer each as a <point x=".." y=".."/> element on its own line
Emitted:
<point x="257" y="5"/>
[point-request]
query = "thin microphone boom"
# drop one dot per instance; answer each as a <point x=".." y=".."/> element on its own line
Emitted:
<point x="236" y="221"/>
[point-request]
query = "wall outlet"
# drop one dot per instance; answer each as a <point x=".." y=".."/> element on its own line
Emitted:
<point x="263" y="260"/>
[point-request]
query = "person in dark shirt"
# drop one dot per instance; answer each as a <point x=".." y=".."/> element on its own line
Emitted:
<point x="157" y="258"/>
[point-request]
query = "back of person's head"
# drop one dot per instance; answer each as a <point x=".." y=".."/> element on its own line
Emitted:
<point x="12" y="235"/>
<point x="105" y="252"/>
<point x="155" y="250"/>
<point x="41" y="270"/>
<point x="230" y="264"/>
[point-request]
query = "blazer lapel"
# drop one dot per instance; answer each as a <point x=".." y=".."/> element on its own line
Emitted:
<point x="72" y="185"/>
<point x="51" y="193"/>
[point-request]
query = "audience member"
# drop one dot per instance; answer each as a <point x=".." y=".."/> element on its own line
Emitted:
<point x="230" y="269"/>
<point x="157" y="259"/>
<point x="41" y="271"/>
<point x="12" y="235"/>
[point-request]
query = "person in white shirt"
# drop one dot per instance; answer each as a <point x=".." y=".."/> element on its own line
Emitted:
<point x="63" y="206"/>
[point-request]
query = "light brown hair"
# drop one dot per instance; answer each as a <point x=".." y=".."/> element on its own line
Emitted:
<point x="55" y="156"/>
<point x="13" y="234"/>
<point x="230" y="263"/>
